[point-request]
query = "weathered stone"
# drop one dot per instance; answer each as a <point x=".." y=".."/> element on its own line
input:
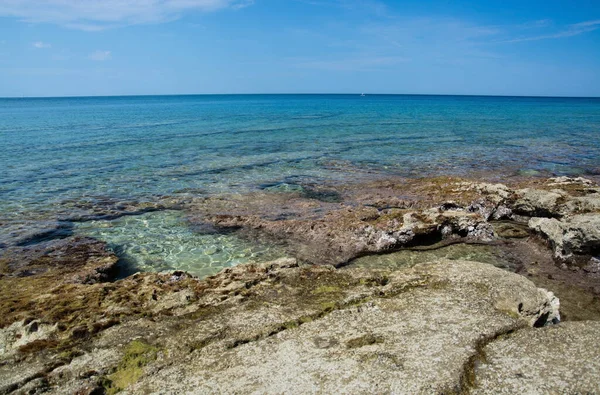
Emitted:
<point x="23" y="333"/>
<point x="105" y="209"/>
<point x="582" y="234"/>
<point x="571" y="236"/>
<point x="593" y="266"/>
<point x="561" y="359"/>
<point x="538" y="203"/>
<point x="497" y="191"/>
<point x="279" y="327"/>
<point x="582" y="204"/>
<point x="346" y="233"/>
<point x="73" y="259"/>
<point x="412" y="339"/>
<point x="502" y="213"/>
<point x="552" y="230"/>
<point x="560" y="181"/>
<point x="286" y="327"/>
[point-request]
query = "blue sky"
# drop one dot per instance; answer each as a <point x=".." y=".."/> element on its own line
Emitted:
<point x="124" y="47"/>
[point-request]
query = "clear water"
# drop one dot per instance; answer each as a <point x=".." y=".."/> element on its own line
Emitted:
<point x="81" y="149"/>
<point x="163" y="241"/>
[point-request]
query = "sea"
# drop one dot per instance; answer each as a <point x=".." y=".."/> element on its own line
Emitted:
<point x="90" y="150"/>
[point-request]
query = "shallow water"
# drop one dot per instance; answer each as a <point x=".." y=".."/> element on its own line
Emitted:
<point x="60" y="151"/>
<point x="407" y="258"/>
<point x="163" y="241"/>
<point x="139" y="147"/>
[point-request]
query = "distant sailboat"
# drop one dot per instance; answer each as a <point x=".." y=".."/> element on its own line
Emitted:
<point x="362" y="94"/>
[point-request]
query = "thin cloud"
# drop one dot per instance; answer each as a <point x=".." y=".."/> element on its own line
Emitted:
<point x="570" y="31"/>
<point x="540" y="23"/>
<point x="41" y="44"/>
<point x="92" y="15"/>
<point x="100" y="56"/>
<point x="353" y="64"/>
<point x="587" y="24"/>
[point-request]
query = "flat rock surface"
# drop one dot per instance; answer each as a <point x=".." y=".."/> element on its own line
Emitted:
<point x="416" y="334"/>
<point x="276" y="327"/>
<point x="560" y="359"/>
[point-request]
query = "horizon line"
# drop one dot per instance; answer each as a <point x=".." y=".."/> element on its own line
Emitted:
<point x="299" y="94"/>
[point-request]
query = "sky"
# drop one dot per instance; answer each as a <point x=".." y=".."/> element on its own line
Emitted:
<point x="143" y="47"/>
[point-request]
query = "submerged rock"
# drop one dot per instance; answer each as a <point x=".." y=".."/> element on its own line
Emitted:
<point x="73" y="259"/>
<point x="107" y="208"/>
<point x="32" y="232"/>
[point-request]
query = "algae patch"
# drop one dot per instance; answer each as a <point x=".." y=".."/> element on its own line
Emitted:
<point x="324" y="289"/>
<point x="137" y="355"/>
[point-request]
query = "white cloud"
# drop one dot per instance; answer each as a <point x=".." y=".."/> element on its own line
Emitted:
<point x="41" y="44"/>
<point x="102" y="14"/>
<point x="100" y="56"/>
<point x="570" y="31"/>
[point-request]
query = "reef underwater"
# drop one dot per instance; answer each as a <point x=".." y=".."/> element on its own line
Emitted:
<point x="394" y="285"/>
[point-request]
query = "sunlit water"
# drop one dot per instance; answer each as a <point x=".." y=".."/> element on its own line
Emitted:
<point x="163" y="241"/>
<point x="58" y="151"/>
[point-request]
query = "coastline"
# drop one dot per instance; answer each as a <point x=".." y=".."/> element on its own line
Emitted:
<point x="63" y="284"/>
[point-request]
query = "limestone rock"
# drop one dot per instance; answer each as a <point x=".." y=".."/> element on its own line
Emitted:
<point x="582" y="234"/>
<point x="500" y="191"/>
<point x="571" y="236"/>
<point x="416" y="337"/>
<point x="73" y="259"/>
<point x="289" y="327"/>
<point x="561" y="359"/>
<point x="105" y="209"/>
<point x="582" y="204"/>
<point x="552" y="230"/>
<point x="538" y="203"/>
<point x="561" y="181"/>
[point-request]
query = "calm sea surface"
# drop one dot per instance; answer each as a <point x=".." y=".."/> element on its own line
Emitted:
<point x="124" y="148"/>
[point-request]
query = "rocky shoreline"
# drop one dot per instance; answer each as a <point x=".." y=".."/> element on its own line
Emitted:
<point x="302" y="324"/>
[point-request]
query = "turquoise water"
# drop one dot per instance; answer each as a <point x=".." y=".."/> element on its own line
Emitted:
<point x="163" y="241"/>
<point x="60" y="150"/>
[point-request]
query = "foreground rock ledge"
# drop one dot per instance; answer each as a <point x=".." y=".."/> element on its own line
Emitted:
<point x="556" y="359"/>
<point x="284" y="328"/>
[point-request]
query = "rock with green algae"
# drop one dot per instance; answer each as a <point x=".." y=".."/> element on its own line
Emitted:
<point x="63" y="330"/>
<point x="280" y="328"/>
<point x="137" y="355"/>
<point x="387" y="216"/>
<point x="277" y="327"/>
<point x="415" y="334"/>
